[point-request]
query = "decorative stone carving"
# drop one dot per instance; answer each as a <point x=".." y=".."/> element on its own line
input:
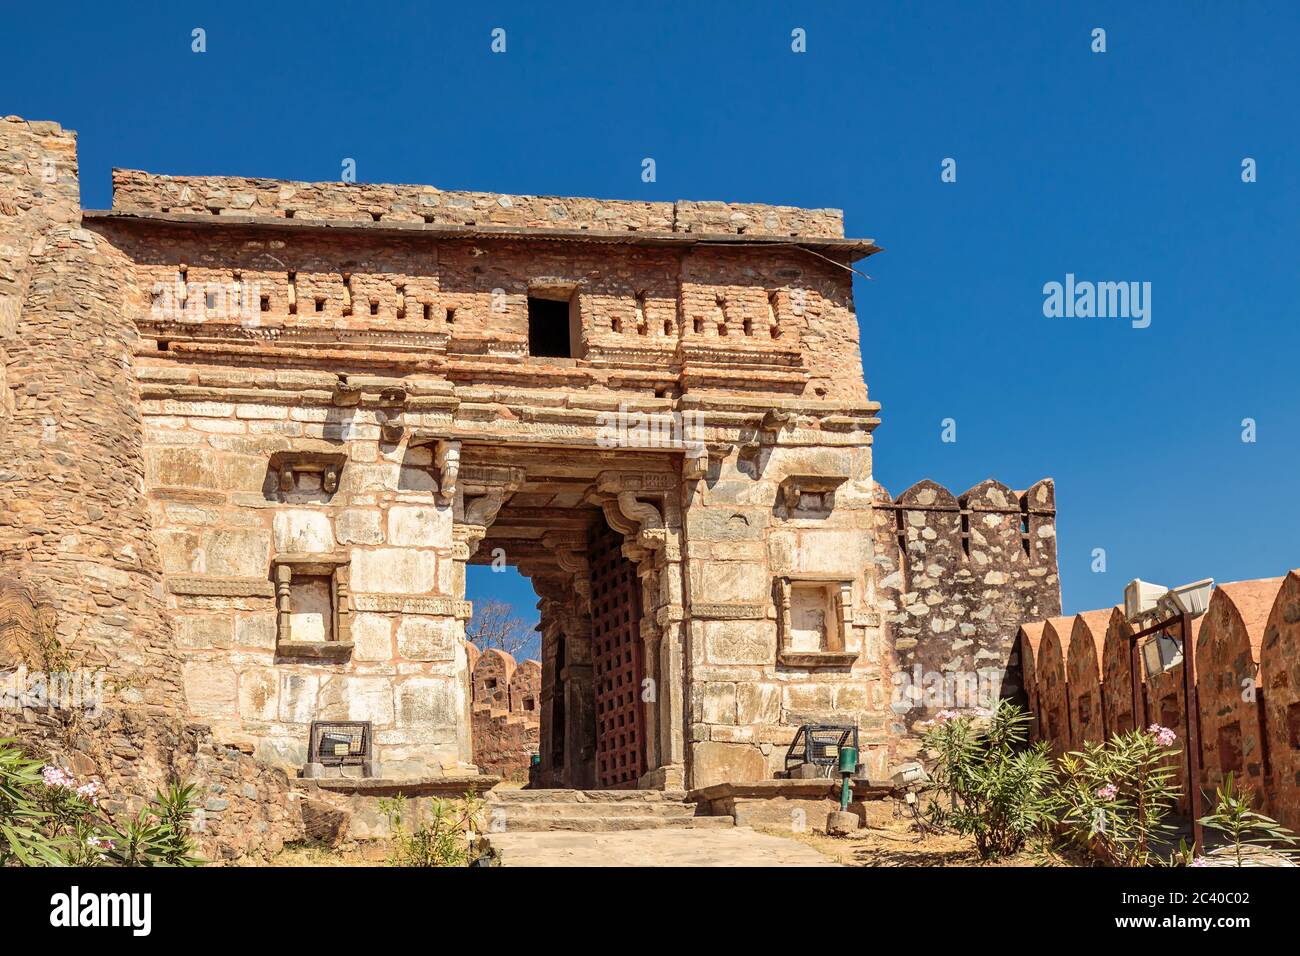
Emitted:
<point x="291" y="466"/>
<point x="447" y="459"/>
<point x="814" y="613"/>
<point x="289" y="568"/>
<point x="202" y="585"/>
<point x="345" y="395"/>
<point x="813" y="493"/>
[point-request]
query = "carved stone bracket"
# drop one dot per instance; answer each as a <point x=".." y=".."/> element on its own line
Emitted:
<point x="447" y="459"/>
<point x="289" y="466"/>
<point x="811" y="492"/>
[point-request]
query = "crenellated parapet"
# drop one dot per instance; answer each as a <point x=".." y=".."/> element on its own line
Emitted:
<point x="957" y="575"/>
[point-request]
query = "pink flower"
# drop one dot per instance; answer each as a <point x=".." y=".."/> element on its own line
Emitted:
<point x="1164" y="736"/>
<point x="946" y="715"/>
<point x="58" y="777"/>
<point x="1199" y="861"/>
<point x="89" y="792"/>
<point x="1108" y="792"/>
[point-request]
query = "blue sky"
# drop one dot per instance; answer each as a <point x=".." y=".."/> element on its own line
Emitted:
<point x="1118" y="166"/>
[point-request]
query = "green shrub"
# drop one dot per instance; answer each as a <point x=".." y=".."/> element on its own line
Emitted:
<point x="1114" y="798"/>
<point x="443" y="838"/>
<point x="995" y="788"/>
<point x="46" y="819"/>
<point x="1235" y="817"/>
<point x="23" y="837"/>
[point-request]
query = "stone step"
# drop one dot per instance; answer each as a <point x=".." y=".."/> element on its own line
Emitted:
<point x="610" y="824"/>
<point x="584" y="796"/>
<point x="572" y="808"/>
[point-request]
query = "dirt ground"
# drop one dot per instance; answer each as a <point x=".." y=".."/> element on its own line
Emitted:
<point x="895" y="845"/>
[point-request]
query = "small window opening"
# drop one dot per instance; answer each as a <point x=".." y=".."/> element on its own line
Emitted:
<point x="749" y="326"/>
<point x="288" y="214"/>
<point x="266" y="303"/>
<point x="374" y="306"/>
<point x="293" y="293"/>
<point x="451" y="316"/>
<point x="163" y="345"/>
<point x="320" y="304"/>
<point x="699" y="325"/>
<point x="550" y="328"/>
<point x="668" y="327"/>
<point x="375" y="216"/>
<point x="401" y="301"/>
<point x="427" y="310"/>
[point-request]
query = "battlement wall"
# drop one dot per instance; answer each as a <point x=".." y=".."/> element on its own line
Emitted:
<point x="957" y="575"/>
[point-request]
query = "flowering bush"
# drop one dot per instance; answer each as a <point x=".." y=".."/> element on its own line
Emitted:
<point x="48" y="819"/>
<point x="1113" y="798"/>
<point x="995" y="788"/>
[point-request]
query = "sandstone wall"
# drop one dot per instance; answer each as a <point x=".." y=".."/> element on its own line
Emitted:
<point x="751" y="535"/>
<point x="653" y="320"/>
<point x="1083" y="677"/>
<point x="1279" y="663"/>
<point x="506" y="714"/>
<point x="1228" y="694"/>
<point x="222" y="523"/>
<point x="245" y="807"/>
<point x="73" y="521"/>
<point x="1117" y="675"/>
<point x="1244" y="675"/>
<point x="962" y="575"/>
<point x="1053" y="692"/>
<point x="134" y="190"/>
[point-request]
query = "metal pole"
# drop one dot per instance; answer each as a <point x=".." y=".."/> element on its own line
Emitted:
<point x="1135" y="671"/>
<point x="1192" y="713"/>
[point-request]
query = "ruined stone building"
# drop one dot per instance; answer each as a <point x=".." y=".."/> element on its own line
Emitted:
<point x="254" y="431"/>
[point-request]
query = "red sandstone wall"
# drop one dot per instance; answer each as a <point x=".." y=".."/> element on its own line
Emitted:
<point x="1227" y="662"/>
<point x="506" y="731"/>
<point x="1279" y="665"/>
<point x="1083" y="677"/>
<point x="1117" y="675"/>
<point x="1028" y="642"/>
<point x="1053" y="694"/>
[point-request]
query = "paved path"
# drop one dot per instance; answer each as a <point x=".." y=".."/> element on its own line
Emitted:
<point x="738" y="846"/>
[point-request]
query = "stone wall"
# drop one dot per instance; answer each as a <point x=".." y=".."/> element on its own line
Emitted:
<point x="1245" y="673"/>
<point x="1083" y="676"/>
<point x="957" y="576"/>
<point x="135" y="190"/>
<point x="506" y="714"/>
<point x="1279" y="683"/>
<point x="224" y="523"/>
<point x="246" y="808"/>
<point x="73" y="522"/>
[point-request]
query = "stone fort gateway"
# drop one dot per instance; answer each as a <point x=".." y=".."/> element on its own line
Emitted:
<point x="254" y="431"/>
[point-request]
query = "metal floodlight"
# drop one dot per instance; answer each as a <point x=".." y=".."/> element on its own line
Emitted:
<point x="1160" y="653"/>
<point x="1141" y="597"/>
<point x="1191" y="599"/>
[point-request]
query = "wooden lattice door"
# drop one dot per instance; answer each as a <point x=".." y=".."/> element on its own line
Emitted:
<point x="616" y="663"/>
